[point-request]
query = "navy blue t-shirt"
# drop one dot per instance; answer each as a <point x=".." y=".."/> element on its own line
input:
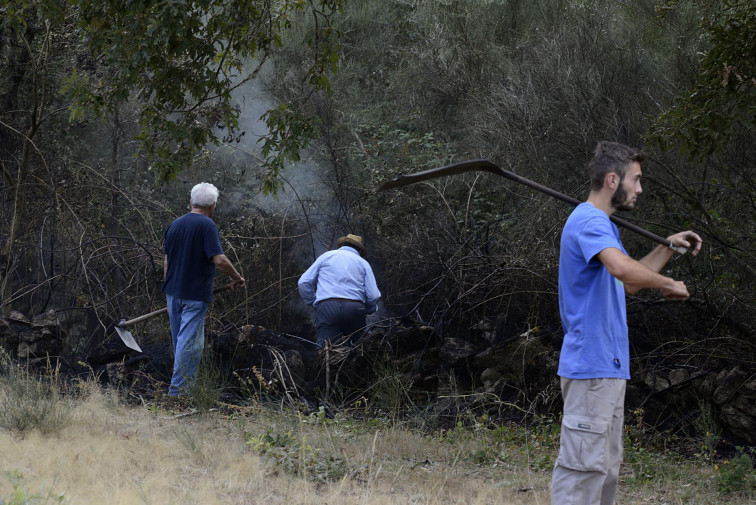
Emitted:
<point x="191" y="241"/>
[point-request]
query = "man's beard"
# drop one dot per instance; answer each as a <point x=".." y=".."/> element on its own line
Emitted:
<point x="620" y="201"/>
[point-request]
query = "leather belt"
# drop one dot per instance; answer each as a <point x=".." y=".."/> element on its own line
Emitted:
<point x="339" y="300"/>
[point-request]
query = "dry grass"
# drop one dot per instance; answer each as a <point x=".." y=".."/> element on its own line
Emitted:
<point x="113" y="454"/>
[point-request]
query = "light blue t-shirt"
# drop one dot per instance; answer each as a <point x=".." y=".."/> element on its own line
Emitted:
<point x="341" y="273"/>
<point x="591" y="301"/>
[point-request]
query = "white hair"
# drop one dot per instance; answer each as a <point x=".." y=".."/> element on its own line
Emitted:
<point x="204" y="195"/>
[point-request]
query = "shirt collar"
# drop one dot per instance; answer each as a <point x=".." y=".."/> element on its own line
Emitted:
<point x="350" y="249"/>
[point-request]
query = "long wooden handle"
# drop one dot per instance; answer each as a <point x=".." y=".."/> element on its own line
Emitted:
<point x="163" y="310"/>
<point x="488" y="166"/>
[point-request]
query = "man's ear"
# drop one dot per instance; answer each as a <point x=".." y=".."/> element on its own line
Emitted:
<point x="611" y="180"/>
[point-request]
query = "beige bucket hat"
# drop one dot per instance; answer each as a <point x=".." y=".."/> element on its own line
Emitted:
<point x="354" y="241"/>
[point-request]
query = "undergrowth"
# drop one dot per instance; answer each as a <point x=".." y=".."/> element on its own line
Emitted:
<point x="31" y="402"/>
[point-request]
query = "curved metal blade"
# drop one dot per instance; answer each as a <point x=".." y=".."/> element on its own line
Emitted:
<point x="128" y="338"/>
<point x="456" y="168"/>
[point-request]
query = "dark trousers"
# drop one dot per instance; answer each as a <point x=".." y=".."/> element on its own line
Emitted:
<point x="336" y="318"/>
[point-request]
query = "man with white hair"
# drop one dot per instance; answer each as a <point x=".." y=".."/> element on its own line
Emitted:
<point x="192" y="251"/>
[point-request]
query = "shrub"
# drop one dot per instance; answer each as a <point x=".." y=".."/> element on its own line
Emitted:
<point x="286" y="453"/>
<point x="736" y="475"/>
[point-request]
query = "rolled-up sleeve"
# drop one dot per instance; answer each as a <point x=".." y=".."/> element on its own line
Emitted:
<point x="308" y="283"/>
<point x="372" y="294"/>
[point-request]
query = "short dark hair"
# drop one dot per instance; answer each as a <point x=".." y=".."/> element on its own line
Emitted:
<point x="611" y="157"/>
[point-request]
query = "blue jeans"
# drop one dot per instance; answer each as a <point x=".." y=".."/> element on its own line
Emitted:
<point x="187" y="319"/>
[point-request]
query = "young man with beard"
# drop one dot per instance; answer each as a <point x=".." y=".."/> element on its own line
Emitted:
<point x="595" y="273"/>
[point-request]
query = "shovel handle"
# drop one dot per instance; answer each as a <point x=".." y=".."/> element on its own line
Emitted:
<point x="487" y="166"/>
<point x="164" y="310"/>
<point x="143" y="317"/>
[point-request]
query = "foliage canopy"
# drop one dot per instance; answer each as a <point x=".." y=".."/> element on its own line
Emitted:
<point x="722" y="101"/>
<point x="182" y="60"/>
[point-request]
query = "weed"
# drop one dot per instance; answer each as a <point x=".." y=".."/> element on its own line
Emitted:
<point x="708" y="447"/>
<point x="286" y="453"/>
<point x="188" y="440"/>
<point x="706" y="420"/>
<point x="28" y="402"/>
<point x="391" y="390"/>
<point x="706" y="429"/>
<point x="22" y="497"/>
<point x="206" y="389"/>
<point x="482" y="456"/>
<point x="544" y="432"/>
<point x="541" y="462"/>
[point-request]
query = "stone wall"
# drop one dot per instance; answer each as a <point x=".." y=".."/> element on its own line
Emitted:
<point x="520" y="370"/>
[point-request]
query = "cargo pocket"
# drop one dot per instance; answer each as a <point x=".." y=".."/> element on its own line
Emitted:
<point x="583" y="443"/>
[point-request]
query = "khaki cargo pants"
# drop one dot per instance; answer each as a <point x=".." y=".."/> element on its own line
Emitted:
<point x="590" y="447"/>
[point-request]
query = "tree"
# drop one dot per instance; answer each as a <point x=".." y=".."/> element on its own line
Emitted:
<point x="182" y="59"/>
<point x="723" y="99"/>
<point x="27" y="30"/>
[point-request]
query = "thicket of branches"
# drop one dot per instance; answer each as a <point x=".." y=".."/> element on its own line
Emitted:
<point x="92" y="125"/>
<point x="531" y="86"/>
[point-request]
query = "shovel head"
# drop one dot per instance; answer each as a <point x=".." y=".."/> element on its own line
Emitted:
<point x="127" y="338"/>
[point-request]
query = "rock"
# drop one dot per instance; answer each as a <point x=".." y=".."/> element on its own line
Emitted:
<point x="113" y="349"/>
<point x="116" y="374"/>
<point x="426" y="331"/>
<point x="484" y="329"/>
<point x="495" y="356"/>
<point x="678" y="375"/>
<point x="156" y="361"/>
<point x="738" y="421"/>
<point x="489" y="377"/>
<point x="8" y="340"/>
<point x="728" y="383"/>
<point x="48" y="319"/>
<point x="739" y="415"/>
<point x="706" y="389"/>
<point x="38" y="343"/>
<point x="455" y="350"/>
<point x="514" y="358"/>
<point x="406" y="339"/>
<point x="28" y="340"/>
<point x="296" y="366"/>
<point x="655" y="382"/>
<point x="18" y="317"/>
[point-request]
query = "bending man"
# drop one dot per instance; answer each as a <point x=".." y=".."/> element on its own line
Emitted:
<point x="192" y="251"/>
<point x="595" y="272"/>
<point x="342" y="288"/>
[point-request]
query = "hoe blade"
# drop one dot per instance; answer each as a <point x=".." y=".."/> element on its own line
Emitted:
<point x="128" y="338"/>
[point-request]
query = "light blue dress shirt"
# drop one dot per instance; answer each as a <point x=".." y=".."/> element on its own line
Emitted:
<point x="341" y="273"/>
